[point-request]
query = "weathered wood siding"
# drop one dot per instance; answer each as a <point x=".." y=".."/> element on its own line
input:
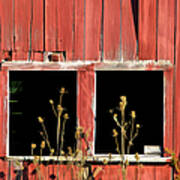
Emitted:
<point x="85" y="30"/>
<point x="97" y="30"/>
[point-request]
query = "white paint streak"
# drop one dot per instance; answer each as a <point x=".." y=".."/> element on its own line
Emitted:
<point x="99" y="158"/>
<point x="8" y="114"/>
<point x="94" y="111"/>
<point x="74" y="65"/>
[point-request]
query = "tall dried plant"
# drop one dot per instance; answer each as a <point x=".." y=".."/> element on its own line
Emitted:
<point x="124" y="125"/>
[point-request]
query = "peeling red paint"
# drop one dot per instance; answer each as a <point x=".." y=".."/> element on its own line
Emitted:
<point x="147" y="29"/>
<point x="28" y="29"/>
<point x="86" y="80"/>
<point x="165" y="36"/>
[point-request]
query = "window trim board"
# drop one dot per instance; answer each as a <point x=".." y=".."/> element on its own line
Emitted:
<point x="168" y="74"/>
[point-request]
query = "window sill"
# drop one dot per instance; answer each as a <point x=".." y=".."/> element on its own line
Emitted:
<point x="97" y="159"/>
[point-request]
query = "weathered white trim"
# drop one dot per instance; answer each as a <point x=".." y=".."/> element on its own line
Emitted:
<point x="108" y="65"/>
<point x="99" y="158"/>
<point x="74" y="65"/>
<point x="94" y="111"/>
<point x="164" y="105"/>
<point x="8" y="115"/>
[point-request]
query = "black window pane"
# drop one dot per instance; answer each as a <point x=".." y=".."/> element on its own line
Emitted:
<point x="144" y="91"/>
<point x="30" y="92"/>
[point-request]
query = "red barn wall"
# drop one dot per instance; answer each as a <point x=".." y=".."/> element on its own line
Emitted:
<point x="96" y="30"/>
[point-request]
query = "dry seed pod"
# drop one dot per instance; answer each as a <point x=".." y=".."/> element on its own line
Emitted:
<point x="137" y="157"/>
<point x="43" y="144"/>
<point x="115" y="133"/>
<point x="115" y="115"/>
<point x="66" y="116"/>
<point x="51" y="101"/>
<point x="137" y="126"/>
<point x="133" y="114"/>
<point x="33" y="146"/>
<point x="123" y="98"/>
<point x="40" y="119"/>
<point x="52" y="151"/>
<point x="62" y="90"/>
<point x="59" y="108"/>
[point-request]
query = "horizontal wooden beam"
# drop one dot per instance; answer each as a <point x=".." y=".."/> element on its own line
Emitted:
<point x="98" y="158"/>
<point x="108" y="65"/>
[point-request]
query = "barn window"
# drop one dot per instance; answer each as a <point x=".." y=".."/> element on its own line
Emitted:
<point x="92" y="92"/>
<point x="144" y="92"/>
<point x="29" y="95"/>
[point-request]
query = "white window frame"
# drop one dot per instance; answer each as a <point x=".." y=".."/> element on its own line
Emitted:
<point x="165" y="66"/>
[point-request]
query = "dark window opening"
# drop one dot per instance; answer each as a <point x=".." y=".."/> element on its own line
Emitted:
<point x="144" y="92"/>
<point x="30" y="92"/>
<point x="135" y="4"/>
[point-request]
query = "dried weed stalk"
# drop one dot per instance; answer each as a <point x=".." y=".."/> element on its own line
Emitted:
<point x="125" y="126"/>
<point x="175" y="163"/>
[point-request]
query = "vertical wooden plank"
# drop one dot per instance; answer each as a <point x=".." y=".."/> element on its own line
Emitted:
<point x="165" y="45"/>
<point x="31" y="170"/>
<point x="6" y="26"/>
<point x="85" y="112"/>
<point x="13" y="170"/>
<point x="163" y="172"/>
<point x="62" y="172"/>
<point x="59" y="26"/>
<point x="37" y="56"/>
<point x="0" y="35"/>
<point x="6" y="16"/>
<point x="50" y="25"/>
<point x="129" y="39"/>
<point x="78" y="30"/>
<point x="52" y="171"/>
<point x="111" y="172"/>
<point x="3" y="111"/>
<point x="25" y="172"/>
<point x="168" y="119"/>
<point x="168" y="139"/>
<point x="3" y="123"/>
<point x="147" y="29"/>
<point x="4" y="169"/>
<point x="59" y="171"/>
<point x="0" y="40"/>
<point x="65" y="172"/>
<point x="65" y="12"/>
<point x="132" y="172"/>
<point x="42" y="171"/>
<point x="112" y="33"/>
<point x="166" y="15"/>
<point x="60" y="9"/>
<point x="105" y="174"/>
<point x="93" y="29"/>
<point x="22" y="29"/>
<point x="37" y="29"/>
<point x="148" y="173"/>
<point x="177" y="85"/>
<point x="46" y="173"/>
